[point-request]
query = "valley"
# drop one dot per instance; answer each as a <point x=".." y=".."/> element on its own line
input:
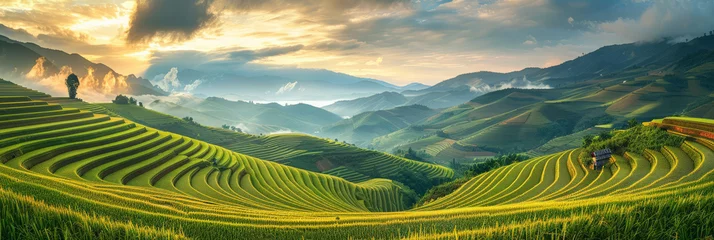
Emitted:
<point x="133" y="171"/>
<point x="380" y="120"/>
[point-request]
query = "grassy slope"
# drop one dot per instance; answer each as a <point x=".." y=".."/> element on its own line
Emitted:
<point x="271" y="201"/>
<point x="297" y="150"/>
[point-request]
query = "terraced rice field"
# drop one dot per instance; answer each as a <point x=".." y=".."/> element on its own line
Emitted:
<point x="322" y="155"/>
<point x="347" y="174"/>
<point x="100" y="177"/>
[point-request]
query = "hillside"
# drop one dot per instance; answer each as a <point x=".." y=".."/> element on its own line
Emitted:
<point x="381" y="101"/>
<point x="296" y="150"/>
<point x="119" y="179"/>
<point x="362" y="128"/>
<point x="489" y="123"/>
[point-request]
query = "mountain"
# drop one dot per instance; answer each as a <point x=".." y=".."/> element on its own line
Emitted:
<point x="249" y="117"/>
<point x="19" y="59"/>
<point x="473" y="81"/>
<point x="612" y="59"/>
<point x="381" y="101"/>
<point x="275" y="85"/>
<point x="362" y="128"/>
<point x="414" y="86"/>
<point x="519" y="120"/>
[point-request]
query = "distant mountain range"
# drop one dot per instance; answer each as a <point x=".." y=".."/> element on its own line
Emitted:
<point x="602" y="62"/>
<point x="276" y="85"/>
<point x="490" y="113"/>
<point x="249" y="117"/>
<point x="669" y="82"/>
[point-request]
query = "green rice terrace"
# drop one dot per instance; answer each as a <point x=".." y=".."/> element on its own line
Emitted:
<point x="73" y="173"/>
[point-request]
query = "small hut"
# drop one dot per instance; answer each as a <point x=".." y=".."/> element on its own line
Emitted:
<point x="600" y="158"/>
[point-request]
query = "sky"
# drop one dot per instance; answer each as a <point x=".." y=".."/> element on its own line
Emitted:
<point x="399" y="41"/>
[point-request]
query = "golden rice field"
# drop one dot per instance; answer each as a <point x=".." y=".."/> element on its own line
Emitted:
<point x="72" y="174"/>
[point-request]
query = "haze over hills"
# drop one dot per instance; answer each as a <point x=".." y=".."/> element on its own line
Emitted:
<point x="271" y="85"/>
<point x="250" y="117"/>
<point x="362" y="128"/>
<point x="381" y="101"/>
<point x="42" y="67"/>
<point x="646" y="86"/>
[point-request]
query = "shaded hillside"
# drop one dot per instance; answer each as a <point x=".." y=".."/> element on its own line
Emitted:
<point x="362" y="128"/>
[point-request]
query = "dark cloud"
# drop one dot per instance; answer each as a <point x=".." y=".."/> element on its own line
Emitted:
<point x="252" y="55"/>
<point x="178" y="20"/>
<point x="223" y="60"/>
<point x="172" y="20"/>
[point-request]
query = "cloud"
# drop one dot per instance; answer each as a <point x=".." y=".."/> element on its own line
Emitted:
<point x="181" y="20"/>
<point x="571" y="21"/>
<point x="664" y="19"/>
<point x="252" y="55"/>
<point x="288" y="87"/>
<point x="515" y="83"/>
<point x="376" y="62"/>
<point x="530" y="40"/>
<point x="169" y="82"/>
<point x="190" y="87"/>
<point x="171" y="20"/>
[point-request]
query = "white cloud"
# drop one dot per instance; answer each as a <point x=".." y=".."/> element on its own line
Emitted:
<point x="287" y="88"/>
<point x="192" y="86"/>
<point x="515" y="83"/>
<point x="530" y="40"/>
<point x="571" y="21"/>
<point x="169" y="82"/>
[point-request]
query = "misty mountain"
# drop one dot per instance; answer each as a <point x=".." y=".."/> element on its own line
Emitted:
<point x="666" y="84"/>
<point x="381" y="101"/>
<point x="276" y="84"/>
<point x="415" y="86"/>
<point x="18" y="59"/>
<point x="250" y="117"/>
<point x="363" y="127"/>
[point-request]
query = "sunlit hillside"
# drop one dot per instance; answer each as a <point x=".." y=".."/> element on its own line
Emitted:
<point x="117" y="178"/>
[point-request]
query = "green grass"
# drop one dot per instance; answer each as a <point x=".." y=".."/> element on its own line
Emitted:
<point x="125" y="180"/>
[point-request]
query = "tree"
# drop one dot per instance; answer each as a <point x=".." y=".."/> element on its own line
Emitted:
<point x="587" y="140"/>
<point x="189" y="120"/>
<point x="604" y="136"/>
<point x="72" y="83"/>
<point x="132" y="101"/>
<point x="121" y="99"/>
<point x="141" y="104"/>
<point x="632" y="123"/>
<point x="225" y="126"/>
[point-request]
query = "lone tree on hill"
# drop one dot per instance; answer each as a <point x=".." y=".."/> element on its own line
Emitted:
<point x="72" y="83"/>
<point x="121" y="99"/>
